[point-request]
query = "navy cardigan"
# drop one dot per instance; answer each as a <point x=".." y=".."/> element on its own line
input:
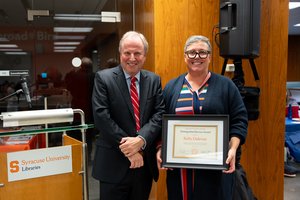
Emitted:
<point x="222" y="97"/>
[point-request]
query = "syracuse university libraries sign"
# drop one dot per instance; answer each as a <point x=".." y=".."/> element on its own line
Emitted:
<point x="39" y="163"/>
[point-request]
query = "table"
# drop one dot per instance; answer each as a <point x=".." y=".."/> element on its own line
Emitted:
<point x="291" y="125"/>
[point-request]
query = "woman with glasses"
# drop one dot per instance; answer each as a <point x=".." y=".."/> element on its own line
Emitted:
<point x="200" y="91"/>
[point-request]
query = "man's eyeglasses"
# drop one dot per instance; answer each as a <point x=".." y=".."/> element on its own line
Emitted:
<point x="192" y="54"/>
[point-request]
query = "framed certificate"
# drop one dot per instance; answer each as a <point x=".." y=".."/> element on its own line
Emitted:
<point x="195" y="141"/>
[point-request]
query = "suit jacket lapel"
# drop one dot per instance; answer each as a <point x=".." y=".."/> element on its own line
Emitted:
<point x="144" y="87"/>
<point x="122" y="85"/>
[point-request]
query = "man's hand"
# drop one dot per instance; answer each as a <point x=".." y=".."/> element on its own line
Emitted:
<point x="136" y="160"/>
<point x="131" y="145"/>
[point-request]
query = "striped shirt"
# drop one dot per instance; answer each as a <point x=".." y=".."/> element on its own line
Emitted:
<point x="189" y="101"/>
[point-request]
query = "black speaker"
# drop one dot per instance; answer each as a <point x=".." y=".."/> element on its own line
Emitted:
<point x="239" y="28"/>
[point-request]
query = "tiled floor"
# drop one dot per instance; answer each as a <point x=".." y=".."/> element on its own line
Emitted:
<point x="292" y="185"/>
<point x="292" y="188"/>
<point x="93" y="186"/>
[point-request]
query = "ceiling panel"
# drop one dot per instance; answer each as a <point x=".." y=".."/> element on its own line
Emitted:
<point x="38" y="34"/>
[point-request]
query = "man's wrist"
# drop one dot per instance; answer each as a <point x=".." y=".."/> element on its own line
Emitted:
<point x="144" y="142"/>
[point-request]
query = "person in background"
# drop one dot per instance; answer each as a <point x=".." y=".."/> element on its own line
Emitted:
<point x="200" y="91"/>
<point x="80" y="83"/>
<point x="12" y="102"/>
<point x="112" y="62"/>
<point x="128" y="107"/>
<point x="289" y="169"/>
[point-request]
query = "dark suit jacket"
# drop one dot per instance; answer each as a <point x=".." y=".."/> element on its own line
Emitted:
<point x="114" y="118"/>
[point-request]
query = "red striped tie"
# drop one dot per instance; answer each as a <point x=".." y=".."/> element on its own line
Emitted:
<point x="135" y="102"/>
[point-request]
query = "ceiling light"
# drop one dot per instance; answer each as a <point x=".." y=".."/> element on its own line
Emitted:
<point x="11" y="50"/>
<point x="293" y="5"/>
<point x="16" y="53"/>
<point x="73" y="29"/>
<point x="104" y="17"/>
<point x="111" y="16"/>
<point x="8" y="46"/>
<point x="32" y="13"/>
<point x="62" y="47"/>
<point x="66" y="43"/>
<point x="77" y="17"/>
<point x="297" y="25"/>
<point x="63" y="50"/>
<point x="68" y="37"/>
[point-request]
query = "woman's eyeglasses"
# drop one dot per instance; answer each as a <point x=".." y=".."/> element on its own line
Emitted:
<point x="201" y="54"/>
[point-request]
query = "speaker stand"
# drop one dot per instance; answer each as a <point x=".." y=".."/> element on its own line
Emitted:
<point x="238" y="68"/>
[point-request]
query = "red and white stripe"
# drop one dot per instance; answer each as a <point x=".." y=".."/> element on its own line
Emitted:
<point x="135" y="102"/>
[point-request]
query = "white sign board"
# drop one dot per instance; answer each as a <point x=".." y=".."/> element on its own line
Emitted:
<point x="39" y="163"/>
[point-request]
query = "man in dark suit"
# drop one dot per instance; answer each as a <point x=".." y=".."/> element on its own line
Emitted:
<point x="125" y="162"/>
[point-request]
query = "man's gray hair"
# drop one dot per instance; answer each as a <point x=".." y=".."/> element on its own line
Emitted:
<point x="133" y="34"/>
